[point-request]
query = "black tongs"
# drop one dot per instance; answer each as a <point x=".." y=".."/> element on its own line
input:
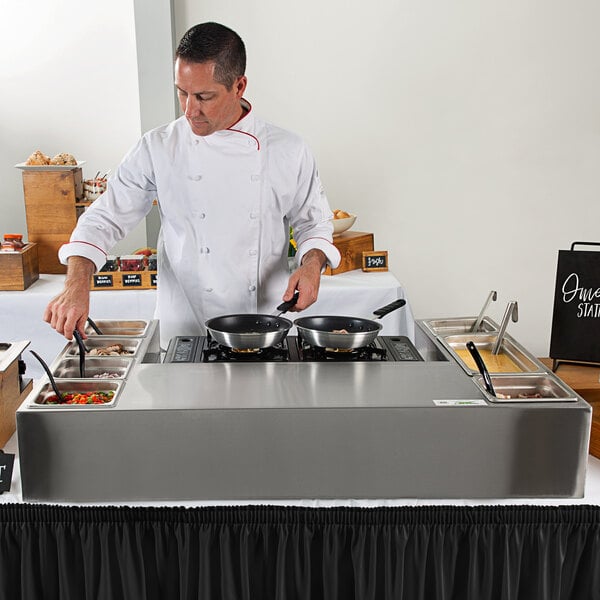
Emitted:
<point x="94" y="326"/>
<point x="82" y="352"/>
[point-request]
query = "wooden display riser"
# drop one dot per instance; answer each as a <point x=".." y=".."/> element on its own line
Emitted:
<point x="124" y="280"/>
<point x="585" y="380"/>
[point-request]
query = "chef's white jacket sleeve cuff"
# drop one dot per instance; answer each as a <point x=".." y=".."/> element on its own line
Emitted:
<point x="330" y="251"/>
<point x="85" y="249"/>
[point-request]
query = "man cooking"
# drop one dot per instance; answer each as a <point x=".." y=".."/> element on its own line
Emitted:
<point x="228" y="185"/>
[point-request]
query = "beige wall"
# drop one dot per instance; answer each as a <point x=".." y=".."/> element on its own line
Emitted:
<point x="465" y="135"/>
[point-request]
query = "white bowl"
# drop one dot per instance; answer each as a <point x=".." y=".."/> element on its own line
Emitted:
<point x="341" y="225"/>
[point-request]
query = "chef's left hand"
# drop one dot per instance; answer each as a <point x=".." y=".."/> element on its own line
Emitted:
<point x="306" y="279"/>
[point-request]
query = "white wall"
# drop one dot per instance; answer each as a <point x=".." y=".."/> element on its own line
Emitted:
<point x="465" y="135"/>
<point x="69" y="83"/>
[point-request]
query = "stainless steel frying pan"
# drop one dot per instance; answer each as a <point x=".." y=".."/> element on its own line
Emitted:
<point x="248" y="331"/>
<point x="323" y="331"/>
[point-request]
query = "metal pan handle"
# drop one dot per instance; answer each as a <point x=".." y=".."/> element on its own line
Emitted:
<point x="388" y="308"/>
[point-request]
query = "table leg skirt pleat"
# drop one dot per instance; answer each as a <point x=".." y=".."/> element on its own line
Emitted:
<point x="292" y="553"/>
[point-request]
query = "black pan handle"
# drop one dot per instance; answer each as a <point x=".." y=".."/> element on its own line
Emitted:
<point x="482" y="368"/>
<point x="388" y="308"/>
<point x="285" y="306"/>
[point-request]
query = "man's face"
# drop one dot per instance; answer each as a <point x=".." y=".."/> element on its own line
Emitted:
<point x="208" y="106"/>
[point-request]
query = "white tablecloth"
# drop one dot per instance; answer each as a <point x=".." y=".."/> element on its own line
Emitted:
<point x="354" y="293"/>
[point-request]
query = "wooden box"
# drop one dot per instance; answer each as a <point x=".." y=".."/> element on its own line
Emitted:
<point x="585" y="380"/>
<point x="18" y="270"/>
<point x="11" y="394"/>
<point x="52" y="199"/>
<point x="351" y="245"/>
<point x="124" y="280"/>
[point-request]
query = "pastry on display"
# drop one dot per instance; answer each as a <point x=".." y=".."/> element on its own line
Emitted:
<point x="38" y="158"/>
<point x="64" y="158"/>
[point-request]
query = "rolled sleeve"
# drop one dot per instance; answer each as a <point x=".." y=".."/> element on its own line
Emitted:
<point x="331" y="252"/>
<point x="84" y="249"/>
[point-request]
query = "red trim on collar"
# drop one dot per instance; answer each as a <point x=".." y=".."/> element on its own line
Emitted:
<point x="232" y="127"/>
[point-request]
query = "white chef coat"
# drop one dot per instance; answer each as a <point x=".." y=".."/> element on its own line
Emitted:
<point x="226" y="202"/>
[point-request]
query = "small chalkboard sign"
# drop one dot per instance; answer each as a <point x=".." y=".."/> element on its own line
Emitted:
<point x="575" y="333"/>
<point x="103" y="280"/>
<point x="6" y="469"/>
<point x="153" y="279"/>
<point x="375" y="260"/>
<point x="132" y="280"/>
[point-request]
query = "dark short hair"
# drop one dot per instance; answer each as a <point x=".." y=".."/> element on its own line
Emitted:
<point x="212" y="42"/>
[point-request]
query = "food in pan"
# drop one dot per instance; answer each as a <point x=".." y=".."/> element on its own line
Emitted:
<point x="107" y="376"/>
<point x="84" y="398"/>
<point x="523" y="396"/>
<point x="38" y="158"/>
<point x="112" y="350"/>
<point x="495" y="363"/>
<point x="64" y="158"/>
<point x="339" y="331"/>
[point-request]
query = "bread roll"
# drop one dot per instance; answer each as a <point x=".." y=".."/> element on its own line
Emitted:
<point x="38" y="158"/>
<point x="64" y="158"/>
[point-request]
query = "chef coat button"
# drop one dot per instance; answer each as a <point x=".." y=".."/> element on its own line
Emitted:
<point x="196" y="142"/>
<point x="196" y="177"/>
<point x="253" y="215"/>
<point x="202" y="215"/>
<point x="252" y="252"/>
<point x="252" y="288"/>
<point x="208" y="290"/>
<point x="254" y="177"/>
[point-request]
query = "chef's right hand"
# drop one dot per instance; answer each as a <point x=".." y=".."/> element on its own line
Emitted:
<point x="69" y="310"/>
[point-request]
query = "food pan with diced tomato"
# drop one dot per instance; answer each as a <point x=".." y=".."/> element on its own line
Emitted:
<point x="78" y="393"/>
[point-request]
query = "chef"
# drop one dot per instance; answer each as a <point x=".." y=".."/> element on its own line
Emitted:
<point x="228" y="187"/>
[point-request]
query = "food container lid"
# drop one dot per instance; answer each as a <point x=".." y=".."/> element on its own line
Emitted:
<point x="13" y="236"/>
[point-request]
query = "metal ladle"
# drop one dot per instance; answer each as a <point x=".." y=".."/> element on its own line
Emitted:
<point x="49" y="373"/>
<point x="493" y="295"/>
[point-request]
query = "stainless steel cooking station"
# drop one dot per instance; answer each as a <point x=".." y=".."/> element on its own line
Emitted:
<point x="293" y="429"/>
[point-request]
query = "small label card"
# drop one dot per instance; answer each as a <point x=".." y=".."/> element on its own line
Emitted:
<point x="375" y="260"/>
<point x="6" y="469"/>
<point x="132" y="280"/>
<point x="153" y="279"/>
<point x="476" y="402"/>
<point x="103" y="280"/>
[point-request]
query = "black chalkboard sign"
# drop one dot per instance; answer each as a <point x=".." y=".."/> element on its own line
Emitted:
<point x="132" y="280"/>
<point x="375" y="260"/>
<point x="103" y="280"/>
<point x="6" y="469"/>
<point x="576" y="317"/>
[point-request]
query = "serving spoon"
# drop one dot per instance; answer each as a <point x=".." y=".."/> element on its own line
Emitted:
<point x="487" y="380"/>
<point x="49" y="373"/>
